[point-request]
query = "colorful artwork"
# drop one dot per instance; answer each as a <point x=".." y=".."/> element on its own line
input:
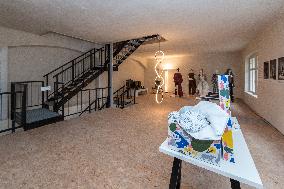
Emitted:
<point x="210" y="151"/>
<point x="205" y="150"/>
<point x="227" y="138"/>
<point x="266" y="70"/>
<point x="224" y="93"/>
<point x="281" y="68"/>
<point x="273" y="69"/>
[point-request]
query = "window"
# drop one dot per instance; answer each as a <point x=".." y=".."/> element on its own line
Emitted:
<point x="252" y="74"/>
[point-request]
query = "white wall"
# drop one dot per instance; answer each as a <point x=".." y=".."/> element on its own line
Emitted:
<point x="210" y="62"/>
<point x="129" y="69"/>
<point x="269" y="103"/>
<point x="3" y="69"/>
<point x="30" y="56"/>
<point x="10" y="37"/>
<point x="32" y="62"/>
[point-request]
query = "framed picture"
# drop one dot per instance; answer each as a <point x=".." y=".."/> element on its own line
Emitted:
<point x="273" y="69"/>
<point x="281" y="68"/>
<point x="266" y="70"/>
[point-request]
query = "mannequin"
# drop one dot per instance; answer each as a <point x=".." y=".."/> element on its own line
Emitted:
<point x="202" y="87"/>
<point x="191" y="83"/>
<point x="229" y="72"/>
<point x="178" y="80"/>
<point x="214" y="81"/>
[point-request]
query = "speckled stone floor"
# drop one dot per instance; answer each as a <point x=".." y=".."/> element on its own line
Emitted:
<point x="117" y="148"/>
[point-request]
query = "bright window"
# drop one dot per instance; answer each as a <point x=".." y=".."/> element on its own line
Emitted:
<point x="252" y="74"/>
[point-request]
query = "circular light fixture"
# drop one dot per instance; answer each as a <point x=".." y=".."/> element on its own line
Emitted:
<point x="159" y="57"/>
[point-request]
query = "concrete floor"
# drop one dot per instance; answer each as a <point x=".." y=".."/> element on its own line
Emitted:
<point x="118" y="148"/>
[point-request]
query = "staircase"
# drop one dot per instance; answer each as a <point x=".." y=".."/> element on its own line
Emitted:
<point x="29" y="107"/>
<point x="75" y="75"/>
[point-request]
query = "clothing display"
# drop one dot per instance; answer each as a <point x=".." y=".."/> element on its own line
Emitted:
<point x="178" y="80"/>
<point x="214" y="81"/>
<point x="231" y="86"/>
<point x="202" y="87"/>
<point x="191" y="84"/>
<point x="230" y="74"/>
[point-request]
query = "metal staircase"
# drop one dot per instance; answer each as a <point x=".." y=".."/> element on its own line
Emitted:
<point x="28" y="106"/>
<point x="75" y="75"/>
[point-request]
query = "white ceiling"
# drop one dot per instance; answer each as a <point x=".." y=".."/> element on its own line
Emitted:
<point x="203" y="25"/>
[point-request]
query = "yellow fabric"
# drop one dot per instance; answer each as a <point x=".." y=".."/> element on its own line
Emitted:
<point x="228" y="138"/>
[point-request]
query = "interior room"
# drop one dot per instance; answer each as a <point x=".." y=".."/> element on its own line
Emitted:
<point x="141" y="94"/>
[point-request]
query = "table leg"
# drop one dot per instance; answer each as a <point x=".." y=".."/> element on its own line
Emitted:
<point x="235" y="184"/>
<point x="176" y="174"/>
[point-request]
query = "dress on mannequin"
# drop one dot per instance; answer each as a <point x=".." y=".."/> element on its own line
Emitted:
<point x="229" y="72"/>
<point x="202" y="87"/>
<point x="178" y="80"/>
<point x="214" y="81"/>
<point x="191" y="83"/>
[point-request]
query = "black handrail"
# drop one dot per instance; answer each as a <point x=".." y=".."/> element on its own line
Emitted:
<point x="77" y="68"/>
<point x="35" y="96"/>
<point x="94" y="49"/>
<point x="119" y="96"/>
<point x="94" y="96"/>
<point x="8" y="110"/>
<point x="79" y="72"/>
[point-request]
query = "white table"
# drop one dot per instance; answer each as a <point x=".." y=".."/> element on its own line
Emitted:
<point x="243" y="170"/>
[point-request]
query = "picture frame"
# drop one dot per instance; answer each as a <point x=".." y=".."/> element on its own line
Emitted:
<point x="281" y="68"/>
<point x="266" y="70"/>
<point x="273" y="69"/>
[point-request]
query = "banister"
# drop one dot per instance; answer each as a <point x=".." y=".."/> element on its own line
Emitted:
<point x="95" y="49"/>
<point x="19" y="82"/>
<point x="76" y="63"/>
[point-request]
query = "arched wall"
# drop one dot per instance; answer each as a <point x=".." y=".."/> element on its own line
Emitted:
<point x="32" y="62"/>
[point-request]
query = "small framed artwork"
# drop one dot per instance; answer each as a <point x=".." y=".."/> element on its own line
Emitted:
<point x="266" y="70"/>
<point x="281" y="68"/>
<point x="273" y="69"/>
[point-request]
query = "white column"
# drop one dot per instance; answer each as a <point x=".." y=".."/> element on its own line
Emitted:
<point x="4" y="84"/>
<point x="4" y="69"/>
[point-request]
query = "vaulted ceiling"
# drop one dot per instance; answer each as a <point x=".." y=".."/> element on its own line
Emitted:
<point x="187" y="25"/>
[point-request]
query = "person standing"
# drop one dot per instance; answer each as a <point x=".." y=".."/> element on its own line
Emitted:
<point x="178" y="80"/>
<point x="229" y="72"/>
<point x="214" y="81"/>
<point x="191" y="83"/>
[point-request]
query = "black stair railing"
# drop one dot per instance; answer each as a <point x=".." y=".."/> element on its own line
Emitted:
<point x="8" y="110"/>
<point x="65" y="82"/>
<point x="32" y="98"/>
<point x="78" y="75"/>
<point x="73" y="76"/>
<point x="74" y="69"/>
<point x="126" y="48"/>
<point x="124" y="96"/>
<point x="86" y="100"/>
<point x="34" y="95"/>
<point x="98" y="102"/>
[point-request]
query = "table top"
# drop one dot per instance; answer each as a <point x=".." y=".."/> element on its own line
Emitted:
<point x="243" y="170"/>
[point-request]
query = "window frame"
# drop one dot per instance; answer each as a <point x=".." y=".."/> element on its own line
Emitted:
<point x="252" y="74"/>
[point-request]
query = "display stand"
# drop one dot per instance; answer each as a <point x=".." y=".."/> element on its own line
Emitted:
<point x="243" y="170"/>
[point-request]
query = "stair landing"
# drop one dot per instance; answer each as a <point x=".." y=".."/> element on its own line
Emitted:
<point x="39" y="117"/>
